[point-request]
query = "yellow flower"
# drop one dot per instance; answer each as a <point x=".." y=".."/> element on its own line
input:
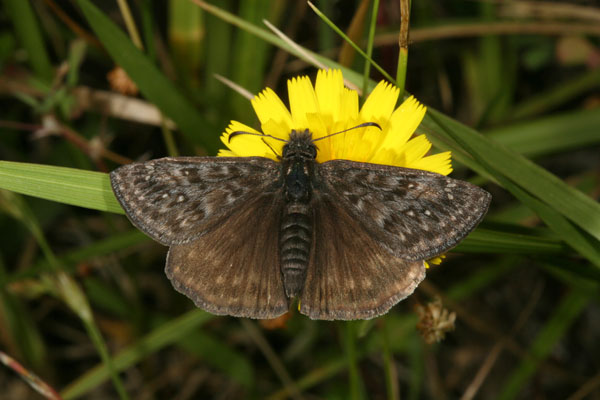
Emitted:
<point x="435" y="260"/>
<point x="329" y="107"/>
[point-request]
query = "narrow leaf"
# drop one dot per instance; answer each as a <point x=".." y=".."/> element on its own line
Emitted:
<point x="66" y="185"/>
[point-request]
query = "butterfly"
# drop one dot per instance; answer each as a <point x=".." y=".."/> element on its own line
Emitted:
<point x="248" y="235"/>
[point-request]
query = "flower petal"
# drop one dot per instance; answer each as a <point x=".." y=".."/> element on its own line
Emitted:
<point x="269" y="107"/>
<point x="379" y="105"/>
<point x="335" y="146"/>
<point x="435" y="260"/>
<point x="245" y="145"/>
<point x="403" y="123"/>
<point x="226" y="153"/>
<point x="303" y="101"/>
<point x="415" y="148"/>
<point x="440" y="163"/>
<point x="279" y="130"/>
<point x="328" y="89"/>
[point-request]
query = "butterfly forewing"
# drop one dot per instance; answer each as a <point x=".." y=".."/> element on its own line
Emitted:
<point x="176" y="200"/>
<point x="234" y="268"/>
<point x="414" y="214"/>
<point x="350" y="275"/>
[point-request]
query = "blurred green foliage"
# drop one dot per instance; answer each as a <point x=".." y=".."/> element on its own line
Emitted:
<point x="512" y="89"/>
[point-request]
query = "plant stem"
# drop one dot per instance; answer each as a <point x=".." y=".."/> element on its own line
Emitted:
<point x="403" y="44"/>
<point x="370" y="46"/>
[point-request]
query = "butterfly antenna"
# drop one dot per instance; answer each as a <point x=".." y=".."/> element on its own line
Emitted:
<point x="237" y="133"/>
<point x="363" y="125"/>
<point x="272" y="149"/>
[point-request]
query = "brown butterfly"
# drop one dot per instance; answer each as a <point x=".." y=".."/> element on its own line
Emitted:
<point x="249" y="234"/>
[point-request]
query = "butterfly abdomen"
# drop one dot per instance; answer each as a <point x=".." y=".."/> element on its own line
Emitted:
<point x="294" y="246"/>
<point x="295" y="236"/>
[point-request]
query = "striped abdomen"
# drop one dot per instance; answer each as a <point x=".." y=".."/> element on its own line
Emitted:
<point x="294" y="245"/>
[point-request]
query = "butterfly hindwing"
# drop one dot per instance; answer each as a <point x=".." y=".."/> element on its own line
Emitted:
<point x="234" y="268"/>
<point x="175" y="200"/>
<point x="350" y="275"/>
<point x="414" y="214"/>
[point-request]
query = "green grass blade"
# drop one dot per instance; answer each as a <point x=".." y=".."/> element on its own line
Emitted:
<point x="147" y="27"/>
<point x="481" y="278"/>
<point x="151" y="82"/>
<point x="21" y="334"/>
<point x="389" y="366"/>
<point x="186" y="31"/>
<point x="552" y="134"/>
<point x="29" y="34"/>
<point x="250" y="50"/>
<point x="369" y="53"/>
<point x="416" y="355"/>
<point x="220" y="355"/>
<point x="164" y="335"/>
<point x="314" y="377"/>
<point x="356" y="386"/>
<point x="350" y="42"/>
<point x="70" y="260"/>
<point x="96" y="338"/>
<point x="565" y="313"/>
<point x="496" y="241"/>
<point x="217" y="60"/>
<point x="557" y="95"/>
<point x="66" y="185"/>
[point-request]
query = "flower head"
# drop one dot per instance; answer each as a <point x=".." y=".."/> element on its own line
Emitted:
<point x="330" y="107"/>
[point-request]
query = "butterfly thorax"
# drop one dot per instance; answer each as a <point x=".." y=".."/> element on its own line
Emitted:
<point x="296" y="223"/>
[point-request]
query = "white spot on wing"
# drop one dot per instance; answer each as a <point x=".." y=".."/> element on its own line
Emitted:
<point x="360" y="205"/>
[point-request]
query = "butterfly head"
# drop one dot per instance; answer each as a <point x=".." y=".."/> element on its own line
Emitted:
<point x="301" y="144"/>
